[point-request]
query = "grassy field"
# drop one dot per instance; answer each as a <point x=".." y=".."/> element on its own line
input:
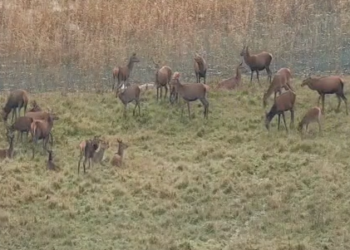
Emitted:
<point x="225" y="183"/>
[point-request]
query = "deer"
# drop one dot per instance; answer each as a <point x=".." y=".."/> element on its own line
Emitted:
<point x="87" y="151"/>
<point x="35" y="107"/>
<point x="280" y="80"/>
<point x="233" y="82"/>
<point x="129" y="94"/>
<point x="50" y="164"/>
<point x="162" y="79"/>
<point x="284" y="102"/>
<point x="257" y="62"/>
<point x="22" y="124"/>
<point x="200" y="68"/>
<point x="314" y="114"/>
<point x="191" y="92"/>
<point x="122" y="73"/>
<point x="8" y="153"/>
<point x="327" y="85"/>
<point x="41" y="130"/>
<point x="98" y="155"/>
<point x="117" y="158"/>
<point x="16" y="99"/>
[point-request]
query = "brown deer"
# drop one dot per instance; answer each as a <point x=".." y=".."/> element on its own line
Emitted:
<point x="257" y="62"/>
<point x="129" y="94"/>
<point x="122" y="73"/>
<point x="191" y="92"/>
<point x="50" y="164"/>
<point x="327" y="85"/>
<point x="280" y="80"/>
<point x="200" y="68"/>
<point x="312" y="115"/>
<point x="233" y="82"/>
<point x="22" y="124"/>
<point x="17" y="99"/>
<point x="41" y="130"/>
<point x="284" y="102"/>
<point x="8" y="153"/>
<point x="98" y="155"/>
<point x="87" y="150"/>
<point x="162" y="79"/>
<point x="35" y="107"/>
<point x="117" y="158"/>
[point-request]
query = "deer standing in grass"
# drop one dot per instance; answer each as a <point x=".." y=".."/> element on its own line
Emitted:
<point x="280" y="80"/>
<point x="200" y="68"/>
<point x="233" y="82"/>
<point x="191" y="92"/>
<point x="117" y="159"/>
<point x="257" y="62"/>
<point x="312" y="115"/>
<point x="122" y="73"/>
<point x="327" y="85"/>
<point x="87" y="151"/>
<point x="163" y="78"/>
<point x="284" y="102"/>
<point x="35" y="107"/>
<point x="129" y="94"/>
<point x="16" y="100"/>
<point x="8" y="153"/>
<point x="22" y="124"/>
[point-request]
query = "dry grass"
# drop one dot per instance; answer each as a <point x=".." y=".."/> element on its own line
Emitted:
<point x="225" y="183"/>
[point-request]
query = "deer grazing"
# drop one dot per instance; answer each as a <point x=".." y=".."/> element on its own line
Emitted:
<point x="129" y="94"/>
<point x="87" y="150"/>
<point x="191" y="92"/>
<point x="50" y="164"/>
<point x="162" y="79"/>
<point x="117" y="158"/>
<point x="98" y="155"/>
<point x="122" y="73"/>
<point x="312" y="115"/>
<point x="8" y="153"/>
<point x="41" y="130"/>
<point x="327" y="85"/>
<point x="257" y="62"/>
<point x="35" y="107"/>
<point x="233" y="82"/>
<point x="200" y="68"/>
<point x="284" y="102"/>
<point x="280" y="80"/>
<point x="17" y="99"/>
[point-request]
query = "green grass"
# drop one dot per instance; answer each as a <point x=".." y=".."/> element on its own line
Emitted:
<point x="226" y="183"/>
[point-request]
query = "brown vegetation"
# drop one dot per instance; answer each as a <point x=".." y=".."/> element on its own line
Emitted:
<point x="327" y="85"/>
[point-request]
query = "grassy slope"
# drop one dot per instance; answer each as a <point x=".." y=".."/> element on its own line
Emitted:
<point x="222" y="184"/>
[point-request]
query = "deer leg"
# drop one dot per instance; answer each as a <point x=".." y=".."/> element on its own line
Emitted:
<point x="251" y="76"/>
<point x="278" y="122"/>
<point x="323" y="97"/>
<point x="284" y="121"/>
<point x="125" y="110"/>
<point x="157" y="93"/>
<point x="339" y="100"/>
<point x="166" y="91"/>
<point x="307" y="127"/>
<point x="257" y="76"/>
<point x="291" y="118"/>
<point x="133" y="112"/>
<point x="138" y="104"/>
<point x="84" y="164"/>
<point x="206" y="107"/>
<point x="188" y="108"/>
<point x="269" y="73"/>
<point x="319" y="127"/>
<point x="342" y="96"/>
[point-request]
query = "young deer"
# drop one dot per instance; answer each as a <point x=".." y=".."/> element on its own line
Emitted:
<point x="117" y="158"/>
<point x="8" y="153"/>
<point x="232" y="82"/>
<point x="327" y="85"/>
<point x="312" y="115"/>
<point x="284" y="102"/>
<point x="130" y="94"/>
<point x="122" y="73"/>
<point x="98" y="155"/>
<point x="257" y="62"/>
<point x="17" y="99"/>
<point x="50" y="164"/>
<point x="200" y="68"/>
<point x="191" y="92"/>
<point x="35" y="107"/>
<point x="87" y="150"/>
<point x="280" y="80"/>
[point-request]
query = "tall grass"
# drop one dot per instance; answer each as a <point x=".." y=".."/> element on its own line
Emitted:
<point x="79" y="42"/>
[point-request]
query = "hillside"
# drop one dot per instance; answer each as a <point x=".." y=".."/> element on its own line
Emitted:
<point x="225" y="183"/>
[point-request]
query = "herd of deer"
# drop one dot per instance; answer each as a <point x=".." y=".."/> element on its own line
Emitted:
<point x="39" y="123"/>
